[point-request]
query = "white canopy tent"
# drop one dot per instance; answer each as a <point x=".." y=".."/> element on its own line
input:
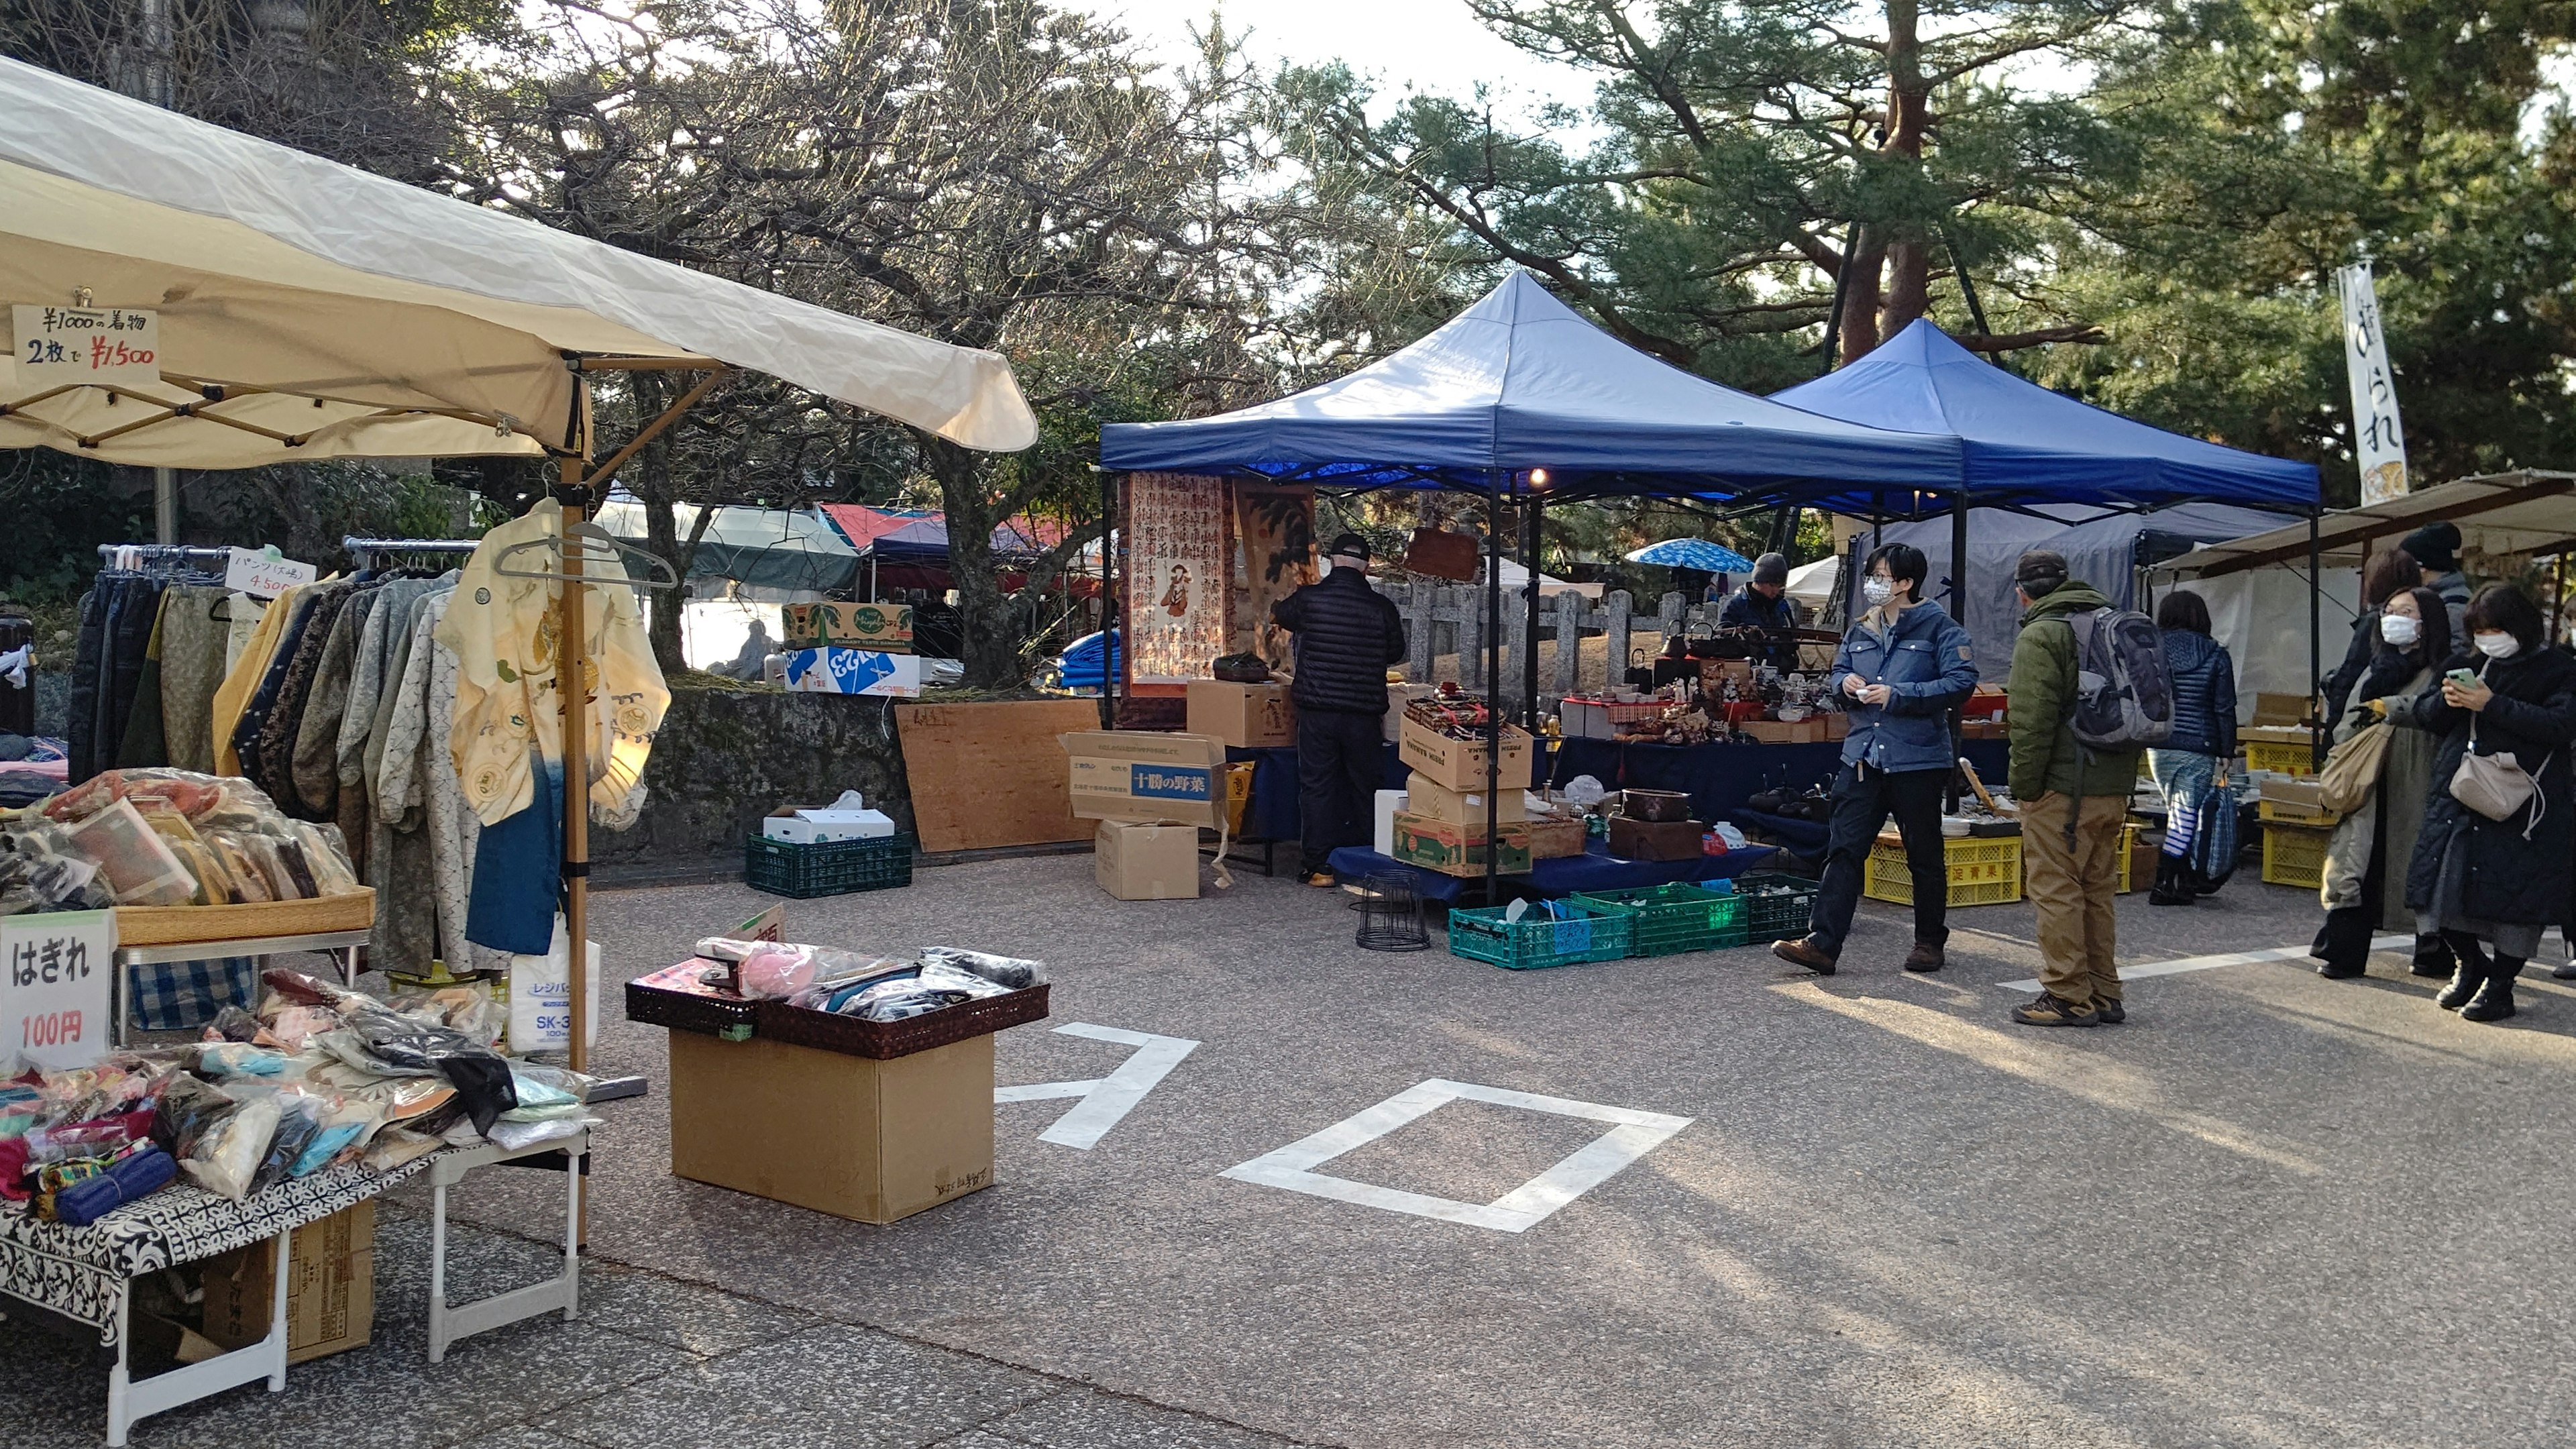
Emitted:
<point x="2500" y="515"/>
<point x="309" y="310"/>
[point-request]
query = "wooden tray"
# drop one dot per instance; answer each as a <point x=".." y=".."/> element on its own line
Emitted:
<point x="178" y="925"/>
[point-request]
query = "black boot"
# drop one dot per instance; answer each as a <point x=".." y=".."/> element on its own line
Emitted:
<point x="2494" y="1001"/>
<point x="2432" y="957"/>
<point x="2466" y="978"/>
<point x="2173" y="882"/>
<point x="2347" y="943"/>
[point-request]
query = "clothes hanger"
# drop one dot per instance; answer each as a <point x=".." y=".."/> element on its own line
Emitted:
<point x="616" y="551"/>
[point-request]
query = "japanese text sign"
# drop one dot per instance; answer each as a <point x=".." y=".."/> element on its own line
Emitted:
<point x="54" y="973"/>
<point x="261" y="574"/>
<point x="77" y="345"/>
<point x="2378" y="439"/>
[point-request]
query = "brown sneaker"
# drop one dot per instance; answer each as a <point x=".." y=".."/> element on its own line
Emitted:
<point x="1320" y="878"/>
<point x="2050" y="1010"/>
<point x="2110" y="1010"/>
<point x="1804" y="953"/>
<point x="1924" y="957"/>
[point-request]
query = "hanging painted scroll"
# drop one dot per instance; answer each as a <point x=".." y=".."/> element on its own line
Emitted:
<point x="1178" y="575"/>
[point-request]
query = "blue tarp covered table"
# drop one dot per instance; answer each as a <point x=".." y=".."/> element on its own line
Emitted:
<point x="1272" y="813"/>
<point x="1594" y="870"/>
<point x="1720" y="778"/>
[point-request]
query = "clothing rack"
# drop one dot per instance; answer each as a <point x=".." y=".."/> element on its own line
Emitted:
<point x="166" y="559"/>
<point x="364" y="552"/>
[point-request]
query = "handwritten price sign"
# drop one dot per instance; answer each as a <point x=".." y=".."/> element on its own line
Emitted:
<point x="54" y="974"/>
<point x="87" y="344"/>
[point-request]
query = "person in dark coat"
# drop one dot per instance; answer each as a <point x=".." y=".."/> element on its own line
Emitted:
<point x="2436" y="546"/>
<point x="2363" y="889"/>
<point x="2491" y="886"/>
<point x="2387" y="574"/>
<point x="1347" y="634"/>
<point x="2189" y="764"/>
<point x="1764" y="604"/>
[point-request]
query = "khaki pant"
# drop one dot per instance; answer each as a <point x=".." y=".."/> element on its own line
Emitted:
<point x="2072" y="887"/>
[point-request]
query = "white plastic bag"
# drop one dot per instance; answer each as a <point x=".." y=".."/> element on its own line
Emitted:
<point x="541" y="998"/>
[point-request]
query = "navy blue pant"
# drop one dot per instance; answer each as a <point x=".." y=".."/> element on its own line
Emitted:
<point x="1863" y="799"/>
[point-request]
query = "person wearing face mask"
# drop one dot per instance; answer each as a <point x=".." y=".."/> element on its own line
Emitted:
<point x="2188" y="764"/>
<point x="2387" y="573"/>
<point x="1902" y="668"/>
<point x="2362" y="894"/>
<point x="2491" y="886"/>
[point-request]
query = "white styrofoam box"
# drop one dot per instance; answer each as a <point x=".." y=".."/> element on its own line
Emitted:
<point x="847" y="824"/>
<point x="1388" y="802"/>
<point x="835" y="670"/>
<point x="541" y="998"/>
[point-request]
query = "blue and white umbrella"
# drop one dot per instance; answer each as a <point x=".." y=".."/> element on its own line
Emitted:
<point x="1693" y="553"/>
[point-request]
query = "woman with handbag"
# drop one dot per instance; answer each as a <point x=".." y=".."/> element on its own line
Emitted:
<point x="2497" y="855"/>
<point x="2191" y="766"/>
<point x="2384" y="778"/>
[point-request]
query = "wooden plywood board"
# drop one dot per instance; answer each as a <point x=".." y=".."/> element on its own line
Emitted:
<point x="992" y="774"/>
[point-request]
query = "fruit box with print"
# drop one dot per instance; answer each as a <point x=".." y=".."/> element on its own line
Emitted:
<point x="832" y="670"/>
<point x="884" y="627"/>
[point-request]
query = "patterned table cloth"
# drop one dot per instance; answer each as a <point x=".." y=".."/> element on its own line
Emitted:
<point x="78" y="1272"/>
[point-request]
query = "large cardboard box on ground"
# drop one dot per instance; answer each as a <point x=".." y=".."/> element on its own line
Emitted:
<point x="1245" y="716"/>
<point x="330" y="1287"/>
<point x="884" y="627"/>
<point x="1457" y="849"/>
<point x="1147" y="862"/>
<point x="1146" y="776"/>
<point x="869" y="1140"/>
<point x="989" y="774"/>
<point x="1426" y="796"/>
<point x="1460" y="764"/>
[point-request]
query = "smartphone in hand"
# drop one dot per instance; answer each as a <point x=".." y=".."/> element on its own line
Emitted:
<point x="2464" y="678"/>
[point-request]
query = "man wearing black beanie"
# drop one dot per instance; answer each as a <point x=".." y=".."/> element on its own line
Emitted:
<point x="2437" y="546"/>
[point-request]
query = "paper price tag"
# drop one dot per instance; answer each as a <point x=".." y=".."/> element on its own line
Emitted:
<point x="87" y="344"/>
<point x="54" y="975"/>
<point x="262" y="575"/>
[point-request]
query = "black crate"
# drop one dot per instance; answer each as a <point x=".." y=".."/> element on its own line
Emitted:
<point x="1776" y="907"/>
<point x="830" y="868"/>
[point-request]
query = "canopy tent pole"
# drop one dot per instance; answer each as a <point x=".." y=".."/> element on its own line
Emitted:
<point x="1959" y="614"/>
<point x="2557" y="594"/>
<point x="1111" y="535"/>
<point x="1529" y="634"/>
<point x="2316" y="660"/>
<point x="1493" y="680"/>
<point x="573" y="693"/>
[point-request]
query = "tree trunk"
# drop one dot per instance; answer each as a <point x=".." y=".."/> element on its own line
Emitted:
<point x="990" y="647"/>
<point x="662" y="628"/>
<point x="1860" y="293"/>
<point x="1909" y="114"/>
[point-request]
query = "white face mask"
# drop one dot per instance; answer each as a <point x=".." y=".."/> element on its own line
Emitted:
<point x="2398" y="629"/>
<point x="1877" y="591"/>
<point x="2498" y="645"/>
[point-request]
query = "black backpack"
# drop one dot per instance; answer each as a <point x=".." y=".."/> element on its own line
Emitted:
<point x="2124" y="696"/>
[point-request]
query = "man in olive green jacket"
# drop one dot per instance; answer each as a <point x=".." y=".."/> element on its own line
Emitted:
<point x="2073" y="803"/>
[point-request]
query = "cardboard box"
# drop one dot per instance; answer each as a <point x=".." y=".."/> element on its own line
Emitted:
<point x="1460" y="764"/>
<point x="1556" y="836"/>
<point x="1837" y="725"/>
<point x="873" y="1141"/>
<point x="2307" y="794"/>
<point x="812" y="827"/>
<point x="2279" y="709"/>
<point x="330" y="1287"/>
<point x="1655" y="839"/>
<point x="886" y="628"/>
<point x="1457" y="849"/>
<point x="1245" y="716"/>
<point x="1426" y="796"/>
<point x="1808" y="731"/>
<point x="835" y="670"/>
<point x="1146" y="862"/>
<point x="1146" y="776"/>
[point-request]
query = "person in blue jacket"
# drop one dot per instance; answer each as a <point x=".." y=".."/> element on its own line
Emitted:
<point x="1900" y="671"/>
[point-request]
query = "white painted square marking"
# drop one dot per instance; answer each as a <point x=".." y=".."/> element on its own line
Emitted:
<point x="1632" y="1135"/>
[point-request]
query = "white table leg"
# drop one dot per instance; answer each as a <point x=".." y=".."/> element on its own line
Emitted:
<point x="129" y="1401"/>
<point x="573" y="1163"/>
<point x="438" y="1269"/>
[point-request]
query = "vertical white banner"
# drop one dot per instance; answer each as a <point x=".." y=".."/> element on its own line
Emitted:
<point x="2378" y="440"/>
<point x="54" y="975"/>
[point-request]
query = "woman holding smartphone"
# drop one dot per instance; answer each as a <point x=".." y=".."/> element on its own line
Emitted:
<point x="2489" y="887"/>
<point x="2365" y="876"/>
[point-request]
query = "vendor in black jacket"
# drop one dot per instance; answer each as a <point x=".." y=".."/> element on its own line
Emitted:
<point x="1764" y="604"/>
<point x="2491" y="886"/>
<point x="1347" y="635"/>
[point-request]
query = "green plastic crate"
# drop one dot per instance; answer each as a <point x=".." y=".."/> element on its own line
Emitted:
<point x="1590" y="933"/>
<point x="1776" y="907"/>
<point x="828" y="868"/>
<point x="1674" y="918"/>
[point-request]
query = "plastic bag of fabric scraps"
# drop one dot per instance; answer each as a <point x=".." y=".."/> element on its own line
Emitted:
<point x="31" y="1151"/>
<point x="547" y="1094"/>
<point x="466" y="1009"/>
<point x="22" y="1107"/>
<point x="140" y="869"/>
<point x="964" y="984"/>
<point x="139" y="1169"/>
<point x="234" y="1024"/>
<point x="1007" y="971"/>
<point x="347" y="1124"/>
<point x="831" y="963"/>
<point x="39" y="871"/>
<point x="480" y="1076"/>
<point x="227" y="1060"/>
<point x="397" y="1145"/>
<point x="242" y="875"/>
<point x="293" y="1026"/>
<point x="517" y="1135"/>
<point x="294" y="988"/>
<point x="774" y="973"/>
<point x="190" y="1108"/>
<point x="121" y="1083"/>
<point x="280" y="863"/>
<point x="299" y="1121"/>
<point x="227" y="1157"/>
<point x="327" y="855"/>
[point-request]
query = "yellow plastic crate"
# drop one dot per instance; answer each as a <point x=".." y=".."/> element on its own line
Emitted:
<point x="1983" y="872"/>
<point x="2288" y="759"/>
<point x="2295" y="855"/>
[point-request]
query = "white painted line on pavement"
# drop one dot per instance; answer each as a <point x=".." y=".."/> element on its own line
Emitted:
<point x="2211" y="963"/>
<point x="1633" y="1134"/>
<point x="1106" y="1101"/>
